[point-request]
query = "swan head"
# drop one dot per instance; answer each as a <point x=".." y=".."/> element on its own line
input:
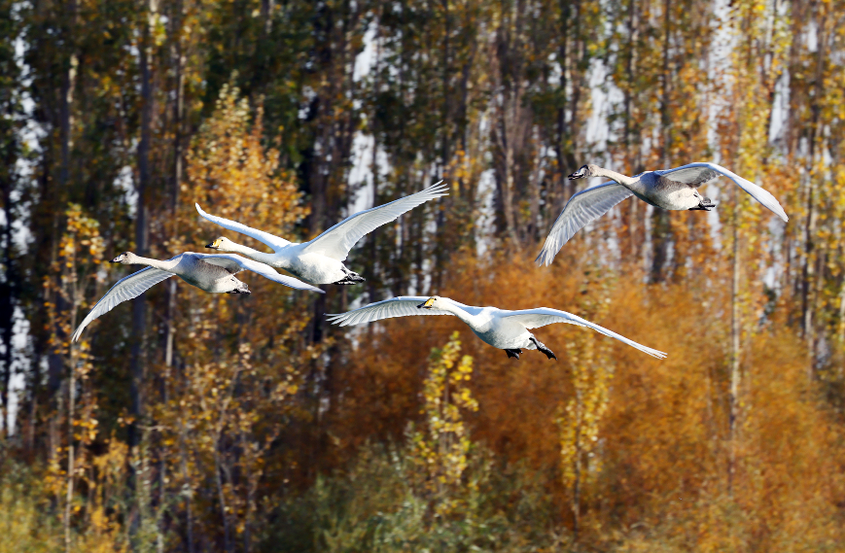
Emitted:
<point x="434" y="302"/>
<point x="584" y="172"/>
<point x="126" y="258"/>
<point x="222" y="244"/>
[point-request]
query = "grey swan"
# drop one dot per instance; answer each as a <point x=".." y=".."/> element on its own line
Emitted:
<point x="674" y="189"/>
<point x="208" y="272"/>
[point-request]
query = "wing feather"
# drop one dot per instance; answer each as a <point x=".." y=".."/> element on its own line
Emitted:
<point x="125" y="289"/>
<point x="338" y="240"/>
<point x="400" y="306"/>
<point x="704" y="169"/>
<point x="271" y="240"/>
<point x="542" y="316"/>
<point x="582" y="208"/>
<point x="231" y="261"/>
<point x="691" y="176"/>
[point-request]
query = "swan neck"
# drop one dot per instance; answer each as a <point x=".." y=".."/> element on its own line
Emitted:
<point x="617" y="177"/>
<point x="458" y="312"/>
<point x="270" y="259"/>
<point x="150" y="262"/>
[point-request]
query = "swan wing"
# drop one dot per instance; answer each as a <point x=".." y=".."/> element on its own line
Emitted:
<point x="583" y="207"/>
<point x="338" y="240"/>
<point x="698" y="173"/>
<point x="227" y="261"/>
<point x="127" y="288"/>
<point x="542" y="316"/>
<point x="235" y="263"/>
<point x="400" y="306"/>
<point x="271" y="240"/>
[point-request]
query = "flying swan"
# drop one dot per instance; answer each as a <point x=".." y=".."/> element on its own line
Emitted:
<point x="507" y="330"/>
<point x="320" y="261"/>
<point x="673" y="189"/>
<point x="213" y="273"/>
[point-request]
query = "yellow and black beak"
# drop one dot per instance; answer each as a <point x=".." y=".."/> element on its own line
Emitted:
<point x="214" y="245"/>
<point x="427" y="304"/>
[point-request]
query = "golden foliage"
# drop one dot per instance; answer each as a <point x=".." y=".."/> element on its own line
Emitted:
<point x="440" y="450"/>
<point x="253" y="408"/>
<point x="231" y="174"/>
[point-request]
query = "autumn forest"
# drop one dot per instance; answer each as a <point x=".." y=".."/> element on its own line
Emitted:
<point x="191" y="422"/>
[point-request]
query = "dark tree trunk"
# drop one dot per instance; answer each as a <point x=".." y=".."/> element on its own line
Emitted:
<point x="139" y="307"/>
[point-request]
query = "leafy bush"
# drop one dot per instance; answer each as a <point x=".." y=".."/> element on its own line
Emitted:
<point x="374" y="507"/>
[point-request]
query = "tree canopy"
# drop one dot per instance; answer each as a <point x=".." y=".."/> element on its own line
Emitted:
<point x="197" y="422"/>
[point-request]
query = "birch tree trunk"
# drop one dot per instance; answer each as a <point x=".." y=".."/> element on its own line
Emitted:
<point x="736" y="376"/>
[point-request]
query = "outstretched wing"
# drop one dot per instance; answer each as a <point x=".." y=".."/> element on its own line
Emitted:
<point x="583" y="207"/>
<point x="338" y="240"/>
<point x="698" y="173"/>
<point x="542" y="316"/>
<point x="400" y="306"/>
<point x="127" y="288"/>
<point x="235" y="263"/>
<point x="270" y="240"/>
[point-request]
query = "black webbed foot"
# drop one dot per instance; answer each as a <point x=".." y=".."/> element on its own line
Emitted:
<point x="549" y="353"/>
<point x="541" y="347"/>
<point x="513" y="353"/>
<point x="349" y="280"/>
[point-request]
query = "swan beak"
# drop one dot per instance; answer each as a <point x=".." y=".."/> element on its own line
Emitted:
<point x="115" y="260"/>
<point x="579" y="174"/>
<point x="214" y="245"/>
<point x="426" y="304"/>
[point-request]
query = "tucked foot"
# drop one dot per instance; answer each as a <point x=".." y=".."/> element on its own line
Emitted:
<point x="350" y="278"/>
<point x="706" y="204"/>
<point x="244" y="292"/>
<point x="513" y="353"/>
<point x="541" y="347"/>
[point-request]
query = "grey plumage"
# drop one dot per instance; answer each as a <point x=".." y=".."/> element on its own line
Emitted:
<point x="210" y="273"/>
<point x="673" y="189"/>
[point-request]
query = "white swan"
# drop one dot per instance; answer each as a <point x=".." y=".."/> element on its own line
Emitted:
<point x="209" y="272"/>
<point x="668" y="189"/>
<point x="320" y="261"/>
<point x="507" y="330"/>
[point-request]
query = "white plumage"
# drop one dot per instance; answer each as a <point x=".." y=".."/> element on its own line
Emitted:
<point x="507" y="330"/>
<point x="320" y="261"/>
